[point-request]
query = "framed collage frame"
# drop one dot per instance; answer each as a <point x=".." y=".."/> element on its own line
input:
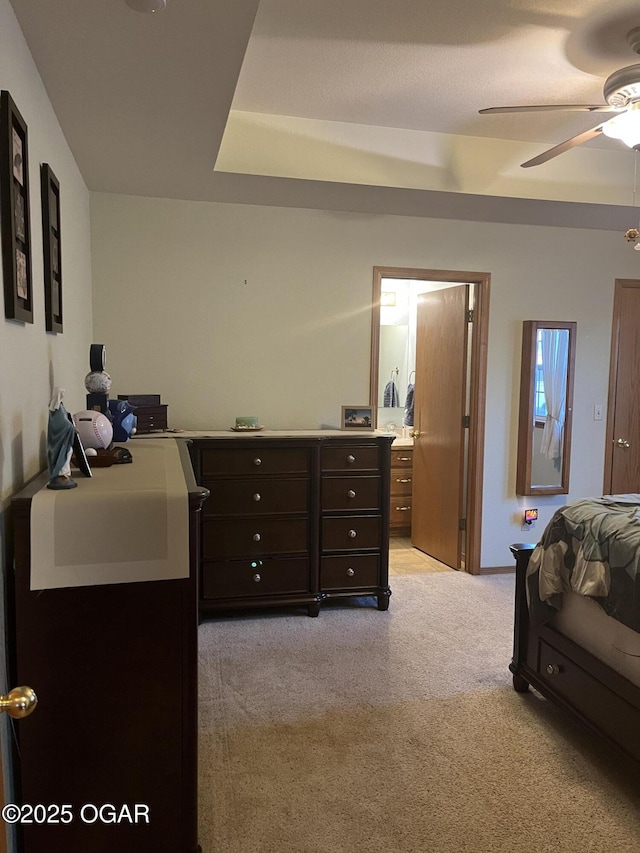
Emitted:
<point x="15" y="213"/>
<point x="52" y="247"/>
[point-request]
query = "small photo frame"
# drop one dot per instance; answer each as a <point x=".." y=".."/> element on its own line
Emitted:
<point x="14" y="212"/>
<point x="357" y="417"/>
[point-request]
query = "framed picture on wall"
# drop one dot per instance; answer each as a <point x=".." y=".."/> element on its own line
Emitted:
<point x="14" y="210"/>
<point x="52" y="246"/>
<point x="357" y="417"/>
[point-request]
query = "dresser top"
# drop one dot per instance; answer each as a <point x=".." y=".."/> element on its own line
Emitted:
<point x="266" y="433"/>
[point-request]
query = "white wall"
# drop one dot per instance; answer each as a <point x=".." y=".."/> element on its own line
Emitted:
<point x="293" y="343"/>
<point x="32" y="360"/>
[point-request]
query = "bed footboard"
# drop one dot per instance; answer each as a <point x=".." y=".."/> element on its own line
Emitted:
<point x="522" y="552"/>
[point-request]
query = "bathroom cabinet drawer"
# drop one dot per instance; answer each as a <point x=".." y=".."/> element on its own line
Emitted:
<point x="400" y="513"/>
<point x="401" y="482"/>
<point x="402" y="457"/>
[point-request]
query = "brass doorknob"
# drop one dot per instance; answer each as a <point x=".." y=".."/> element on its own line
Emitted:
<point x="622" y="442"/>
<point x="19" y="702"/>
<point x="415" y="433"/>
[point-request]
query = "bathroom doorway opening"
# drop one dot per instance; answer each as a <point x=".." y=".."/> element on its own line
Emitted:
<point x="447" y="317"/>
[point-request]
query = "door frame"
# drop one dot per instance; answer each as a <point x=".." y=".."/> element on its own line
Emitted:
<point x="477" y="385"/>
<point x="620" y="285"/>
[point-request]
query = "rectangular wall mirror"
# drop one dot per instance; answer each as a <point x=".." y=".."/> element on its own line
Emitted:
<point x="546" y="406"/>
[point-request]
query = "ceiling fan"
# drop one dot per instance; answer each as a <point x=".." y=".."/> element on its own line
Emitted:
<point x="621" y="92"/>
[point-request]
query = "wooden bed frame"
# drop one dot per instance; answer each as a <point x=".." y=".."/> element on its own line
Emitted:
<point x="592" y="693"/>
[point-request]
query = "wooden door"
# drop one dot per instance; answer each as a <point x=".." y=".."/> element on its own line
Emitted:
<point x="440" y="403"/>
<point x="622" y="456"/>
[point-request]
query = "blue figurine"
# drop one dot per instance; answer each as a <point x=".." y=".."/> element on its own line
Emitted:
<point x="123" y="419"/>
<point x="61" y="434"/>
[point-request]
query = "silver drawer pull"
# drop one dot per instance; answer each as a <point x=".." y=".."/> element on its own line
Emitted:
<point x="403" y="479"/>
<point x="257" y="461"/>
<point x="403" y="458"/>
<point x="553" y="669"/>
<point x="256" y="537"/>
<point x="351" y="572"/>
<point x="351" y="459"/>
<point x="351" y="493"/>
<point x="352" y="534"/>
<point x="257" y="578"/>
<point x="402" y="508"/>
<point x="256" y="497"/>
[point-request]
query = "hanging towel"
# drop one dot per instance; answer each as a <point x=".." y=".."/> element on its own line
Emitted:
<point x="391" y="396"/>
<point x="408" y="406"/>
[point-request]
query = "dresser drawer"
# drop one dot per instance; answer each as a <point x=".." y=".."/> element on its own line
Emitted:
<point x="254" y="537"/>
<point x="354" y="458"/>
<point x="353" y="533"/>
<point x="244" y="578"/>
<point x="256" y="497"/>
<point x="342" y="572"/>
<point x="354" y="493"/>
<point x="402" y="457"/>
<point x="255" y="460"/>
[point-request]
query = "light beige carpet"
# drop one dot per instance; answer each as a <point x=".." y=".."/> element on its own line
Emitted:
<point x="397" y="732"/>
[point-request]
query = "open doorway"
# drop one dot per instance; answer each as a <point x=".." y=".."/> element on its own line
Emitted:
<point x="450" y="349"/>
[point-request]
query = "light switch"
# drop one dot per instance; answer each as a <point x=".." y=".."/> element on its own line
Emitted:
<point x="597" y="412"/>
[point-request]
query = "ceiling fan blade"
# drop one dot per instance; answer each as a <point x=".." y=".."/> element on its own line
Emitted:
<point x="564" y="146"/>
<point x="540" y="108"/>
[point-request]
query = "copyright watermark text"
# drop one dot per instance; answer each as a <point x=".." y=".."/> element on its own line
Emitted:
<point x="88" y="813"/>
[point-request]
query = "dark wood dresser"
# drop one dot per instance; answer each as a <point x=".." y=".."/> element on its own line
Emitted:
<point x="293" y="518"/>
<point x="114" y="667"/>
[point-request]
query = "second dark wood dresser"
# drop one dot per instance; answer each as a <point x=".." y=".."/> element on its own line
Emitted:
<point x="294" y="518"/>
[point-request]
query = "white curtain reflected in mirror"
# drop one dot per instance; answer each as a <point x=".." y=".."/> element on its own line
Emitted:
<point x="554" y="353"/>
<point x="544" y="437"/>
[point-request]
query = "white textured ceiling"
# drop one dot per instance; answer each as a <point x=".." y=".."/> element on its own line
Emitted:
<point x="144" y="100"/>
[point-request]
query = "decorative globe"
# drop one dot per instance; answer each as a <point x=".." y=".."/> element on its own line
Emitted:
<point x="97" y="382"/>
<point x="94" y="429"/>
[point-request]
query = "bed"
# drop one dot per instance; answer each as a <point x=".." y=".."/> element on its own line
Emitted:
<point x="577" y="616"/>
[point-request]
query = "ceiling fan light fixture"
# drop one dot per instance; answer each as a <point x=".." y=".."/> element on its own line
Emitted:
<point x="148" y="6"/>
<point x="625" y="126"/>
